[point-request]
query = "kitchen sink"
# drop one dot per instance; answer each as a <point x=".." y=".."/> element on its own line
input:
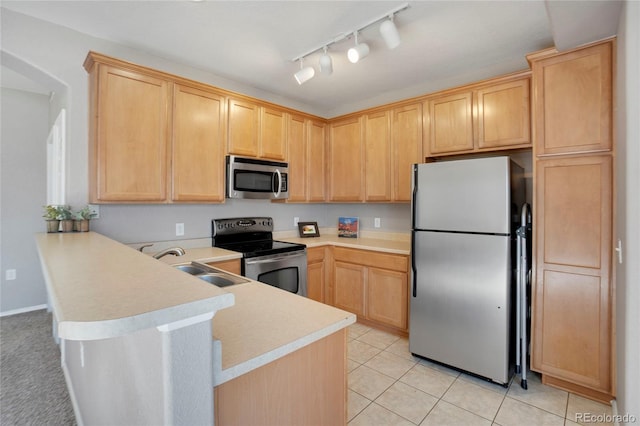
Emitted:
<point x="212" y="275"/>
<point x="190" y="269"/>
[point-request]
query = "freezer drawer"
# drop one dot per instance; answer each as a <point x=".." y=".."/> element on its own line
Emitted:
<point x="460" y="312"/>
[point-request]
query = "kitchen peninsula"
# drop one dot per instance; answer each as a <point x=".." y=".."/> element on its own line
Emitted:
<point x="136" y="342"/>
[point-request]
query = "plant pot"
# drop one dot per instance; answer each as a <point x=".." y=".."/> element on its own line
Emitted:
<point x="81" y="225"/>
<point x="67" y="225"/>
<point x="53" y="225"/>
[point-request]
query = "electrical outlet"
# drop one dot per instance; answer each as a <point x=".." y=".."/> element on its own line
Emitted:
<point x="376" y="222"/>
<point x="295" y="221"/>
<point x="179" y="229"/>
<point x="10" y="274"/>
<point x="95" y="211"/>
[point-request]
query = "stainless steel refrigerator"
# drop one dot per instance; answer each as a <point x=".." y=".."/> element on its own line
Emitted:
<point x="464" y="217"/>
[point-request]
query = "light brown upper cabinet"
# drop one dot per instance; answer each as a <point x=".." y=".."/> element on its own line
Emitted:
<point x="345" y="161"/>
<point x="504" y="114"/>
<point x="306" y="146"/>
<point x="129" y="133"/>
<point x="197" y="145"/>
<point x="316" y="144"/>
<point x="406" y="147"/>
<point x="256" y="130"/>
<point x="573" y="101"/>
<point x="377" y="154"/>
<point x="485" y="116"/>
<point x="154" y="138"/>
<point x="450" y="123"/>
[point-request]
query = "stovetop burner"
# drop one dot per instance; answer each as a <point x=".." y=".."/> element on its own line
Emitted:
<point x="251" y="236"/>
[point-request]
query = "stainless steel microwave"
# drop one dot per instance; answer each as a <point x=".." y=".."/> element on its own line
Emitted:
<point x="256" y="178"/>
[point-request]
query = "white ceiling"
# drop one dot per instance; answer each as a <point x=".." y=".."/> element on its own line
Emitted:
<point x="444" y="43"/>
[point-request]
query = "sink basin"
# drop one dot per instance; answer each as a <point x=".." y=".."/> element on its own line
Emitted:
<point x="190" y="269"/>
<point x="210" y="274"/>
<point x="220" y="280"/>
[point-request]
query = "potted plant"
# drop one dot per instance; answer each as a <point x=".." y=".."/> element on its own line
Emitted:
<point x="51" y="216"/>
<point x="81" y="219"/>
<point x="66" y="218"/>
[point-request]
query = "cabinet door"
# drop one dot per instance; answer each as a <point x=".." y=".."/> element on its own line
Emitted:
<point x="406" y="142"/>
<point x="377" y="153"/>
<point x="316" y="161"/>
<point x="345" y="161"/>
<point x="387" y="297"/>
<point x="450" y="124"/>
<point x="197" y="146"/>
<point x="316" y="273"/>
<point x="571" y="328"/>
<point x="244" y="121"/>
<point x="132" y="137"/>
<point x="504" y="115"/>
<point x="272" y="134"/>
<point x="232" y="266"/>
<point x="297" y="153"/>
<point x="315" y="281"/>
<point x="573" y="101"/>
<point x="348" y="292"/>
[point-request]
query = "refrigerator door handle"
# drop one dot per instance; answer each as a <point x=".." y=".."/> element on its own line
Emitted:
<point x="414" y="194"/>
<point x="413" y="232"/>
<point x="413" y="263"/>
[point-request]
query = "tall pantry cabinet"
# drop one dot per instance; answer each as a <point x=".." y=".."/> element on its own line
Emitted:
<point x="573" y="290"/>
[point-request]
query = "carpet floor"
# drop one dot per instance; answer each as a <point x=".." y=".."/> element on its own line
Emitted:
<point x="32" y="386"/>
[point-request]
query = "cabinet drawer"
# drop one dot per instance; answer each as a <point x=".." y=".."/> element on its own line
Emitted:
<point x="392" y="262"/>
<point x="315" y="254"/>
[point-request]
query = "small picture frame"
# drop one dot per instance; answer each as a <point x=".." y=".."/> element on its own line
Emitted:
<point x="348" y="227"/>
<point x="308" y="229"/>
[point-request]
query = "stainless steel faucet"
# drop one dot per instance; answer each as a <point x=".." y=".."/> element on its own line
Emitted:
<point x="176" y="251"/>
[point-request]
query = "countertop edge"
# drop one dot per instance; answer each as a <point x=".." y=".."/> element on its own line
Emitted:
<point x="96" y="330"/>
<point x="221" y="376"/>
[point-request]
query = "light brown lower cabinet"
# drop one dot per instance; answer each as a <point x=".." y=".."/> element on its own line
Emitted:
<point x="372" y="285"/>
<point x="316" y="275"/>
<point x="232" y="266"/>
<point x="306" y="387"/>
<point x="572" y="334"/>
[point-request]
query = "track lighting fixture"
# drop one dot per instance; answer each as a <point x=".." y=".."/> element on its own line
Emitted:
<point x="357" y="52"/>
<point x="388" y="31"/>
<point x="304" y="74"/>
<point x="326" y="64"/>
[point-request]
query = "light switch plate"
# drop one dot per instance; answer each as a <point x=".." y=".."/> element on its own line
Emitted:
<point x="179" y="229"/>
<point x="376" y="222"/>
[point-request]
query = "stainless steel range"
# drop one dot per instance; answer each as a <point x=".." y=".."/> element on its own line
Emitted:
<point x="277" y="263"/>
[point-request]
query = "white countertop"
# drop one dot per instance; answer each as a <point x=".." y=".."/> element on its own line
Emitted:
<point x="397" y="246"/>
<point x="99" y="288"/>
<point x="265" y="324"/>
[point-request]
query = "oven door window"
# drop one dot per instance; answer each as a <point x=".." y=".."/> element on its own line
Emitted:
<point x="253" y="181"/>
<point x="284" y="278"/>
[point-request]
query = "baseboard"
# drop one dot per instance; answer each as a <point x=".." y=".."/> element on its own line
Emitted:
<point x="22" y="310"/>
<point x="596" y="395"/>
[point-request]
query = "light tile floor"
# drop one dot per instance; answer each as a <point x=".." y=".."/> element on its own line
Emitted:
<point x="388" y="386"/>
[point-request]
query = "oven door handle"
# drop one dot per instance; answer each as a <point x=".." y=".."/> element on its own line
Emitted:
<point x="277" y="194"/>
<point x="273" y="259"/>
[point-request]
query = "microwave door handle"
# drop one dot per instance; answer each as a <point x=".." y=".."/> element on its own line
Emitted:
<point x="277" y="194"/>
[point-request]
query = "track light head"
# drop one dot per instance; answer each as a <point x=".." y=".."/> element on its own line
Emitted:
<point x="326" y="63"/>
<point x="389" y="33"/>
<point x="305" y="74"/>
<point x="357" y="52"/>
